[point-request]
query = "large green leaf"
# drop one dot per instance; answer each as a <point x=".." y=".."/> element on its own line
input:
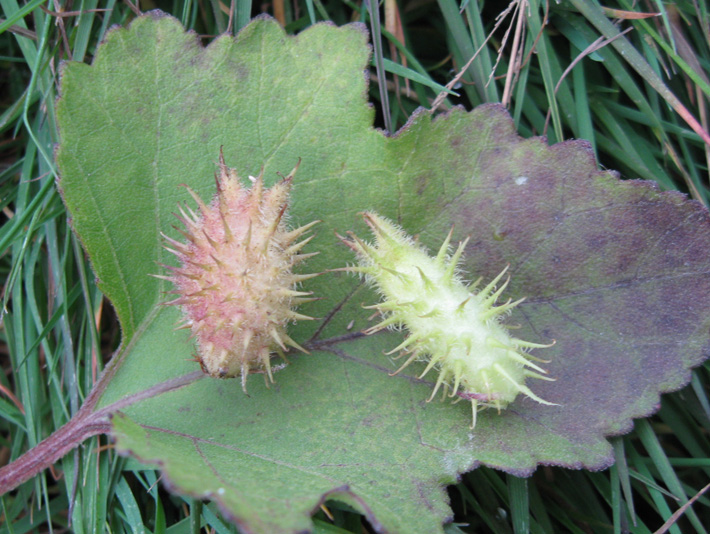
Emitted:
<point x="615" y="272"/>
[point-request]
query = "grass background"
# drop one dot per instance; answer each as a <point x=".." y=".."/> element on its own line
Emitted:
<point x="564" y="70"/>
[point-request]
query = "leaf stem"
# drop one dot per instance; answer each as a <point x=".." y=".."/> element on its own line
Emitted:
<point x="85" y="424"/>
<point x="82" y="426"/>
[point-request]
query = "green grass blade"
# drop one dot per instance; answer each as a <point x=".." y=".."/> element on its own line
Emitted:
<point x="661" y="463"/>
<point x="519" y="504"/>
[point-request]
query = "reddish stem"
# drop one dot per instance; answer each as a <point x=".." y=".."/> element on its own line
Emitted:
<point x="86" y="423"/>
<point x="49" y="451"/>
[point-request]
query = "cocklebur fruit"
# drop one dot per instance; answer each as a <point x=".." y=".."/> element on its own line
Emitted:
<point x="235" y="283"/>
<point x="454" y="327"/>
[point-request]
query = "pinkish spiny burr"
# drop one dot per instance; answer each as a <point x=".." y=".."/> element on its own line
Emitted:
<point x="235" y="283"/>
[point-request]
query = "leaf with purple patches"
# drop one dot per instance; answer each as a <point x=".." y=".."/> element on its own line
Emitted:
<point x="616" y="272"/>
